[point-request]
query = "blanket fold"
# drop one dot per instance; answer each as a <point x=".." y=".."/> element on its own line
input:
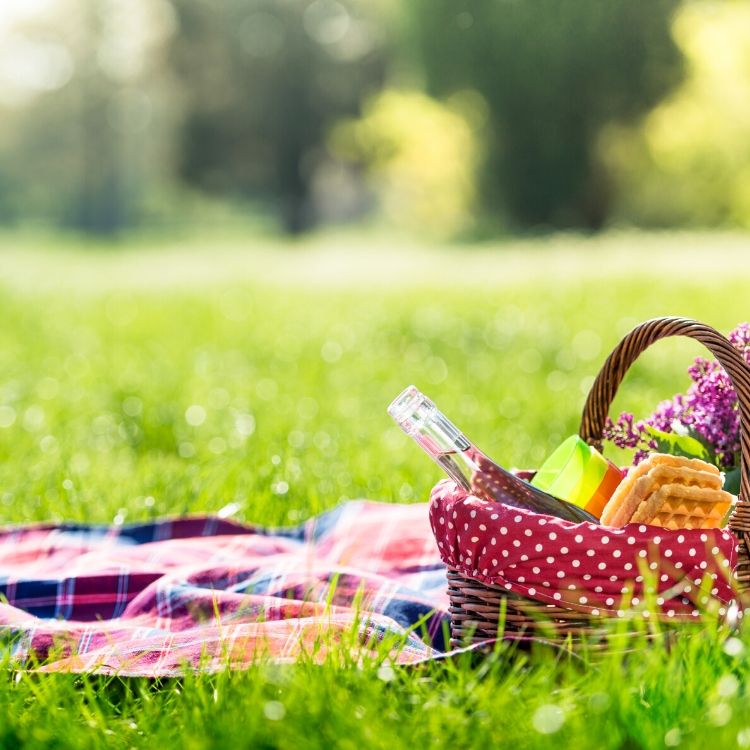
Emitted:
<point x="155" y="599"/>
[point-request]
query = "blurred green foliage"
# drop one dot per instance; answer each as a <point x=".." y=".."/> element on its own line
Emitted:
<point x="693" y="147"/>
<point x="272" y="79"/>
<point x="552" y="75"/>
<point x="420" y="156"/>
<point x="500" y="113"/>
<point x="87" y="112"/>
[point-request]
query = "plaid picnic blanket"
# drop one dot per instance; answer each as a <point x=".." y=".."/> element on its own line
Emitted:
<point x="205" y="593"/>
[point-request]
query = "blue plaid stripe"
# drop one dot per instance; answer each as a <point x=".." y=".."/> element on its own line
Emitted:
<point x="195" y="569"/>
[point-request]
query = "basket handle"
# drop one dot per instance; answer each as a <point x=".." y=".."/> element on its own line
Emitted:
<point x="627" y="351"/>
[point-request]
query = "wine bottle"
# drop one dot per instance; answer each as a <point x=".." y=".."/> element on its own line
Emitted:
<point x="471" y="469"/>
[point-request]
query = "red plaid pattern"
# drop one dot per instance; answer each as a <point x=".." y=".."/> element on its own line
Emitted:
<point x="204" y="593"/>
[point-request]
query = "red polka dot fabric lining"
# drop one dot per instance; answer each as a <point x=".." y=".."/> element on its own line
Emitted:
<point x="585" y="567"/>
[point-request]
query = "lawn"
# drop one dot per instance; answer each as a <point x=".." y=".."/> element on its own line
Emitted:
<point x="156" y="378"/>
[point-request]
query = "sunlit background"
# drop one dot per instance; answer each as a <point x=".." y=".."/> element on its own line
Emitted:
<point x="231" y="232"/>
<point x="447" y="118"/>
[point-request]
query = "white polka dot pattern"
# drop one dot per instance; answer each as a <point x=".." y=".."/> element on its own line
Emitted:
<point x="581" y="566"/>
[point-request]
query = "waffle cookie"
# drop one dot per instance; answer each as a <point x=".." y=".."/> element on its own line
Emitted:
<point x="669" y="491"/>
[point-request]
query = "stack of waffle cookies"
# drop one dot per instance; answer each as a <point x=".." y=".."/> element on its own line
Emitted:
<point x="669" y="491"/>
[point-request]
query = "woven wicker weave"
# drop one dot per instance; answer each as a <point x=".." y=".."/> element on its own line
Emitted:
<point x="477" y="609"/>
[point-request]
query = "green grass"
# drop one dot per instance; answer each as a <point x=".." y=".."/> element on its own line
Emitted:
<point x="292" y="354"/>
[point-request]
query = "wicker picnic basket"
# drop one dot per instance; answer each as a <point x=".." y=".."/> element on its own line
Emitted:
<point x="477" y="607"/>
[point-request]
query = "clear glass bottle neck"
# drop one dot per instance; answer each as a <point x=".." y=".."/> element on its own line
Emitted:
<point x="419" y="418"/>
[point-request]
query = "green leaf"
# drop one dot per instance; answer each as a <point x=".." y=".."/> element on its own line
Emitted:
<point x="732" y="480"/>
<point x="678" y="445"/>
<point x="703" y="440"/>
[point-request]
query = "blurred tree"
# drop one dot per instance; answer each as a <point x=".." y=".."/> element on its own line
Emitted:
<point x="264" y="81"/>
<point x="419" y="155"/>
<point x="688" y="161"/>
<point x="553" y="74"/>
<point x="84" y="112"/>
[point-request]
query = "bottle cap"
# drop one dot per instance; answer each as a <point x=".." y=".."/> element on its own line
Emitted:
<point x="577" y="473"/>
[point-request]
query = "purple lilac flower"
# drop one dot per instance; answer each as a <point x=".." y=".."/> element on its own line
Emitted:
<point x="709" y="408"/>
